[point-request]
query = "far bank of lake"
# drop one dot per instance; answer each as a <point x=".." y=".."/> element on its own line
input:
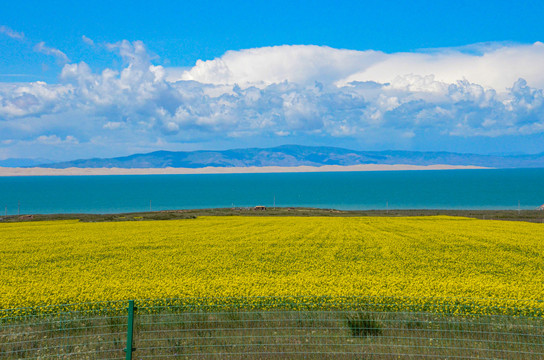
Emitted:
<point x="40" y="171"/>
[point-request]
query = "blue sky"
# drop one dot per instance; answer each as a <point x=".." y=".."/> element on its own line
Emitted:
<point x="81" y="79"/>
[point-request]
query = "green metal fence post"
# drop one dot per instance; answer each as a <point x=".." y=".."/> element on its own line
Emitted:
<point x="130" y="328"/>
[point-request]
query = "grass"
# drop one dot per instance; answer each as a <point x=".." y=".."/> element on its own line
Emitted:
<point x="535" y="216"/>
<point x="258" y="334"/>
<point x="363" y="324"/>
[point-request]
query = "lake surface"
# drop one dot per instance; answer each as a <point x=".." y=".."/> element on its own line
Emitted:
<point x="441" y="189"/>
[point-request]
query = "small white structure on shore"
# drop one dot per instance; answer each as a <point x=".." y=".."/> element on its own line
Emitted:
<point x="541" y="207"/>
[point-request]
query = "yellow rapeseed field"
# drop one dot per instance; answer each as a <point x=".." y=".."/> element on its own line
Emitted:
<point x="59" y="262"/>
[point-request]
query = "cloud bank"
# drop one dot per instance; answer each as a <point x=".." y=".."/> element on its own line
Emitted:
<point x="281" y="94"/>
<point x="489" y="65"/>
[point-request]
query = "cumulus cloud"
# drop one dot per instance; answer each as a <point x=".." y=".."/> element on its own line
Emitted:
<point x="286" y="92"/>
<point x="35" y="98"/>
<point x="139" y="89"/>
<point x="11" y="33"/>
<point x="495" y="66"/>
<point x="267" y="65"/>
<point x="56" y="53"/>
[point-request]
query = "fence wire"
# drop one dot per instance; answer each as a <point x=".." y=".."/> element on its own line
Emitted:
<point x="225" y="331"/>
<point x="59" y="332"/>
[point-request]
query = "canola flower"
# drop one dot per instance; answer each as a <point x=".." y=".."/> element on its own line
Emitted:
<point x="431" y="263"/>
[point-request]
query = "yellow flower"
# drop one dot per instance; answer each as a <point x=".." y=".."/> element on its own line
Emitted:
<point x="441" y="264"/>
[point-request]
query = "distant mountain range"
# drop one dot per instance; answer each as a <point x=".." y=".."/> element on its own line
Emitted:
<point x="295" y="155"/>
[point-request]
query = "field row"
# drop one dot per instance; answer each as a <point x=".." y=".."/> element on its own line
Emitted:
<point x="60" y="262"/>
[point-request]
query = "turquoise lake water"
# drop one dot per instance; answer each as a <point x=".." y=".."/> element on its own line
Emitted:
<point x="441" y="189"/>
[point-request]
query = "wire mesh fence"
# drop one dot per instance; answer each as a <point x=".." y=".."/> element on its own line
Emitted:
<point x="58" y="332"/>
<point x="249" y="330"/>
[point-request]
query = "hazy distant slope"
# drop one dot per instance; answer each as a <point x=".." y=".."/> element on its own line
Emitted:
<point x="295" y="155"/>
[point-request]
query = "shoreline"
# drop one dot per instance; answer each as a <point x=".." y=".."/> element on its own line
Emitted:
<point x="40" y="171"/>
<point x="528" y="215"/>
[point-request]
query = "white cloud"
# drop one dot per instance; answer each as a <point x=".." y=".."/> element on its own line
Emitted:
<point x="495" y="66"/>
<point x="138" y="88"/>
<point x="11" y="33"/>
<point x="297" y="63"/>
<point x="35" y="98"/>
<point x="87" y="40"/>
<point x="284" y="93"/>
<point x="56" y="140"/>
<point x="112" y="125"/>
<point x="134" y="53"/>
<point x="56" y="53"/>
